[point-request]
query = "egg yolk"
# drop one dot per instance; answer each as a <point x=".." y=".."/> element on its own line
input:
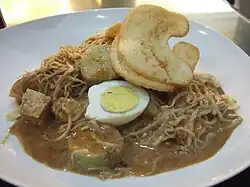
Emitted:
<point x="119" y="99"/>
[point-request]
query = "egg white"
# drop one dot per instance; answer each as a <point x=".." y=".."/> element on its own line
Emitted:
<point x="95" y="110"/>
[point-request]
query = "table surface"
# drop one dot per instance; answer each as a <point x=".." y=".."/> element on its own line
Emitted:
<point x="213" y="13"/>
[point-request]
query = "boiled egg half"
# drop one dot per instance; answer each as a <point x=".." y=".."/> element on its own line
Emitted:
<point x="116" y="102"/>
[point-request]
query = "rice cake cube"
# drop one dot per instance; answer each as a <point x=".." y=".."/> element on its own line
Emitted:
<point x="103" y="151"/>
<point x="34" y="103"/>
<point x="95" y="65"/>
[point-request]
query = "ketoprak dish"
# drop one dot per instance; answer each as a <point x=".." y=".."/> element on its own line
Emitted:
<point x="123" y="103"/>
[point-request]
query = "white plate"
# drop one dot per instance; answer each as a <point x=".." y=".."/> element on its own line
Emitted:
<point x="22" y="47"/>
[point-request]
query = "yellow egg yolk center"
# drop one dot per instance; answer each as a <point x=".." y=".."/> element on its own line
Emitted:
<point x="119" y="99"/>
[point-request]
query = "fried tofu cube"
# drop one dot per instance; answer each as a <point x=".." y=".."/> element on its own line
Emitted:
<point x="73" y="106"/>
<point x="34" y="103"/>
